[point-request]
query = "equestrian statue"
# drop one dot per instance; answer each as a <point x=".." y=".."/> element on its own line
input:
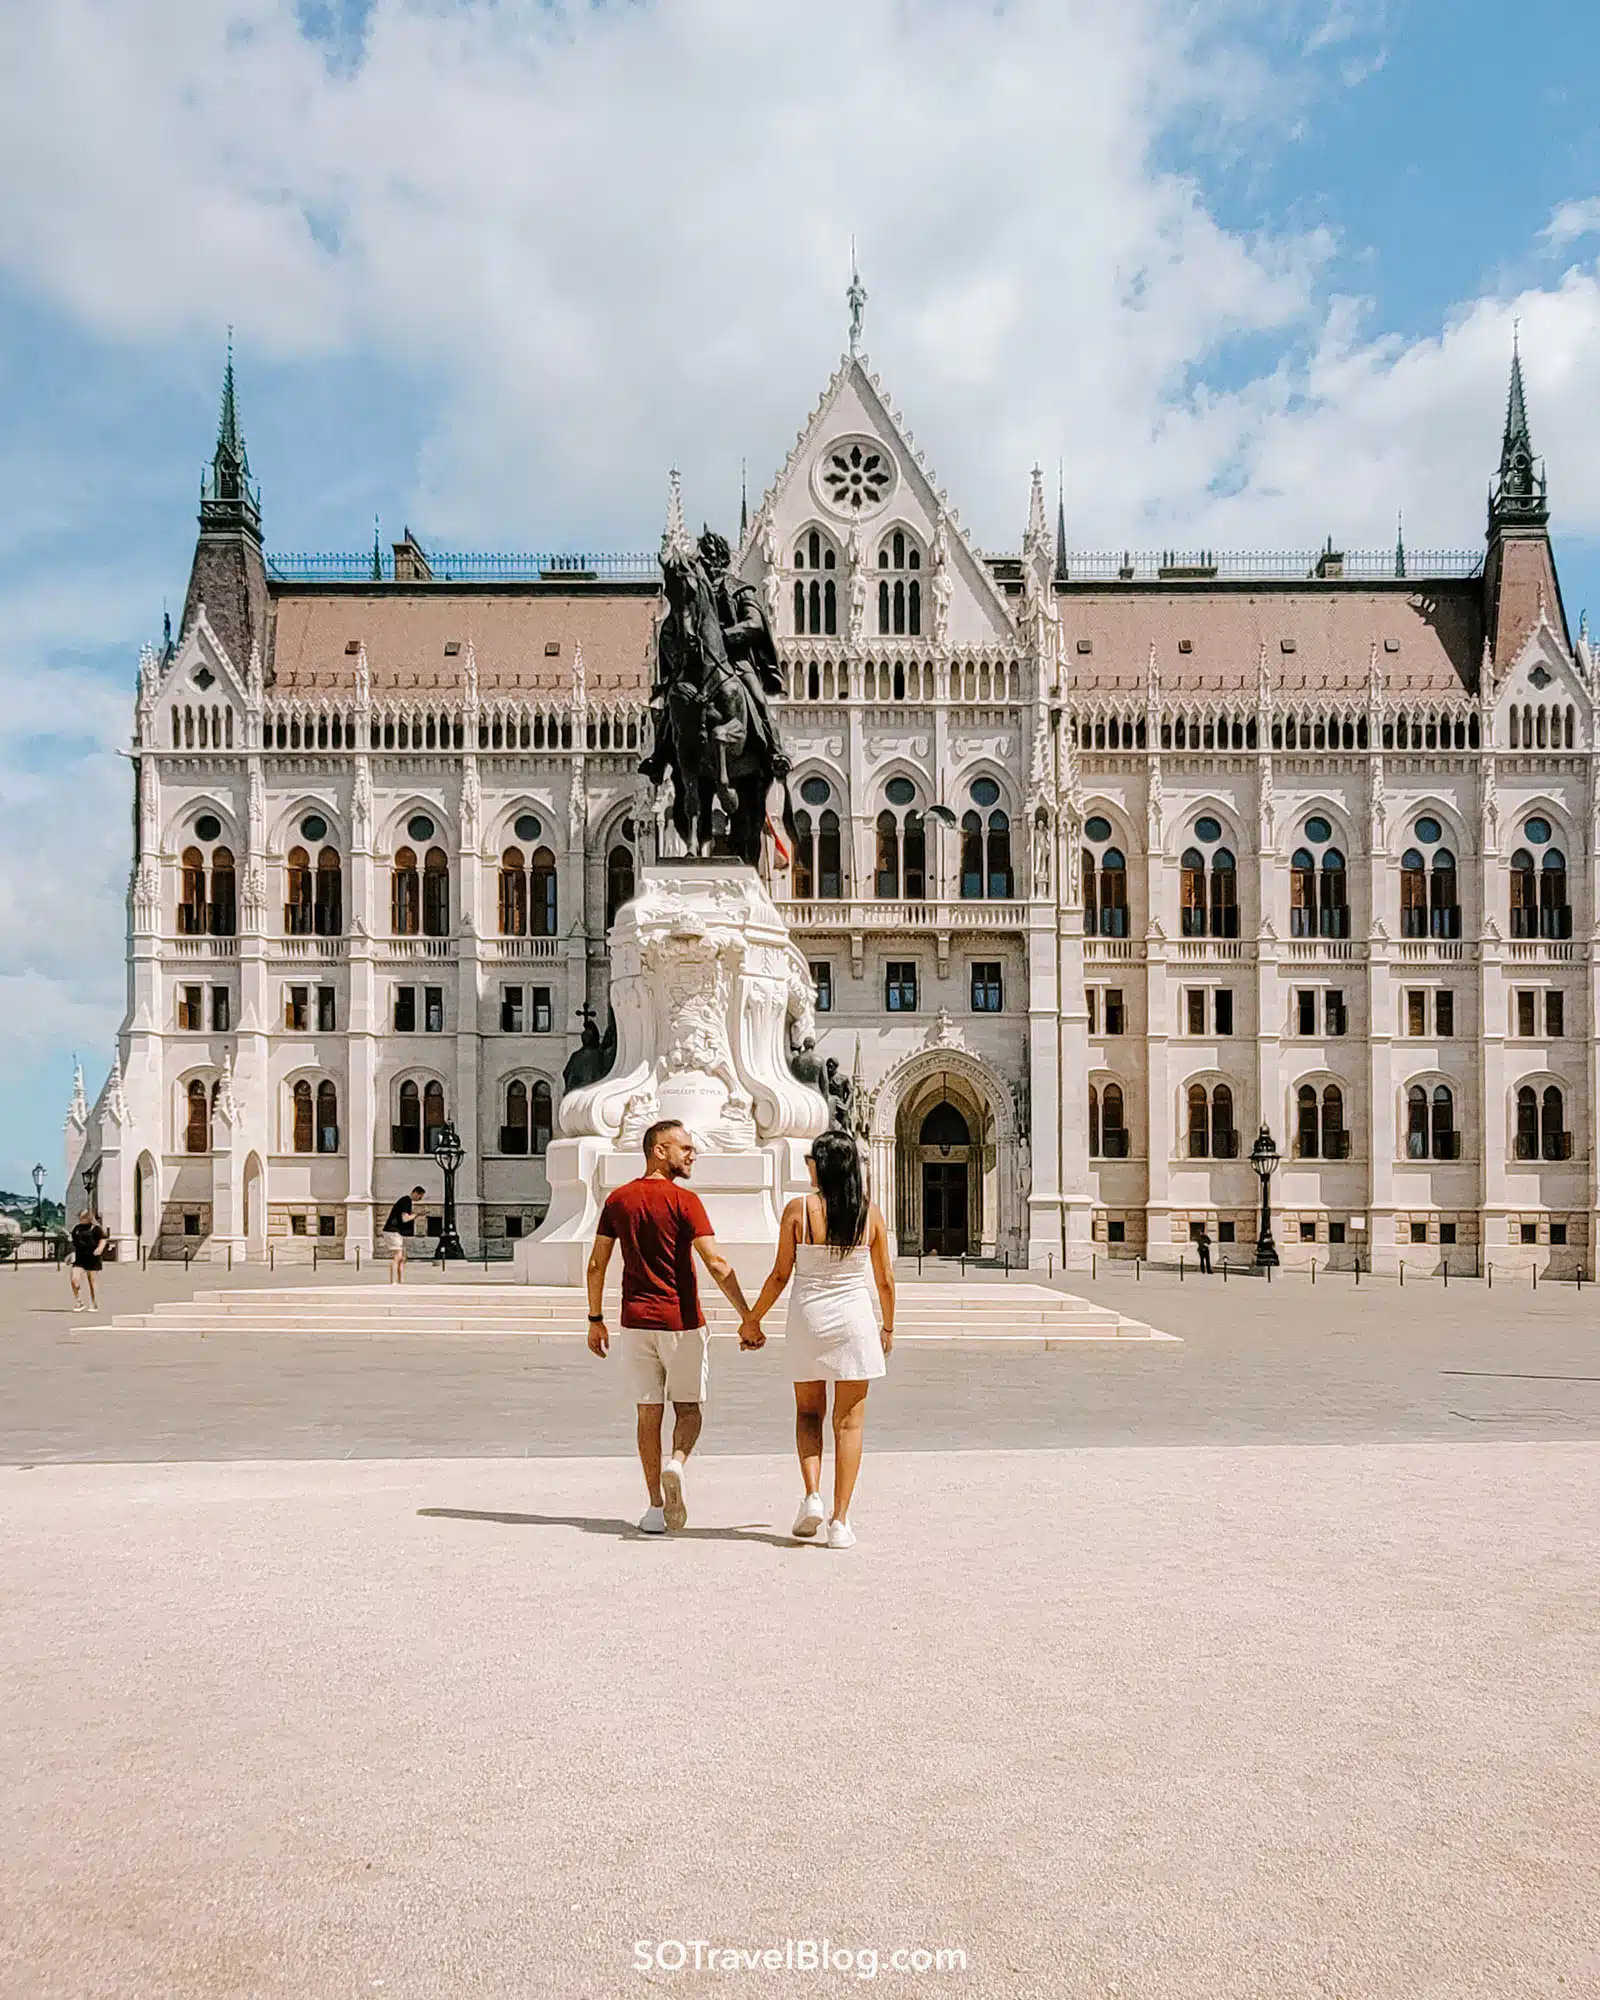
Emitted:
<point x="716" y="666"/>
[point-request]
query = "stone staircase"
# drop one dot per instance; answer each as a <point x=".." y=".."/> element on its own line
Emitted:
<point x="971" y="1314"/>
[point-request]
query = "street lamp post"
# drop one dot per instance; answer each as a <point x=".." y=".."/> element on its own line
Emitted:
<point x="1264" y="1159"/>
<point x="38" y="1199"/>
<point x="447" y="1151"/>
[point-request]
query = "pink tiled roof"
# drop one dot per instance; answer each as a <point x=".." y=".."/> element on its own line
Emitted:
<point x="405" y="633"/>
<point x="1437" y="629"/>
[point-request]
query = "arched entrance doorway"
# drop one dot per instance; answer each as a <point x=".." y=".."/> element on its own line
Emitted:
<point x="944" y="1141"/>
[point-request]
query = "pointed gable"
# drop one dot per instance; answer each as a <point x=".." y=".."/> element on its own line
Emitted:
<point x="856" y="481"/>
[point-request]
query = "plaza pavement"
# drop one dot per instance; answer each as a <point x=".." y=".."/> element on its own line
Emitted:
<point x="1266" y="1668"/>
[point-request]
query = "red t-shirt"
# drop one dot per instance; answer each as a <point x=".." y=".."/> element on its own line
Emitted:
<point x="656" y="1221"/>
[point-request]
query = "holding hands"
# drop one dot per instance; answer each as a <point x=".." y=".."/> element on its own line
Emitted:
<point x="750" y="1334"/>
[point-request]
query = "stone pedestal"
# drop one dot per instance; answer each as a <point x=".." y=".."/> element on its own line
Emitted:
<point x="705" y="980"/>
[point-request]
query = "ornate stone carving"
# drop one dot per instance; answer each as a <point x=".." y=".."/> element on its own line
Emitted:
<point x="941" y="586"/>
<point x="704" y="979"/>
<point x="856" y="557"/>
<point x="361" y="804"/>
<point x="471" y="803"/>
<point x="1153" y="804"/>
<point x="945" y="1032"/>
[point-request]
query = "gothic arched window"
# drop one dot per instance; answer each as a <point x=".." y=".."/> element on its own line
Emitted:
<point x="436" y="894"/>
<point x="543" y="1107"/>
<point x="299" y="902"/>
<point x="407" y="1134"/>
<point x="619" y="880"/>
<point x="1526" y="1144"/>
<point x="1319" y="897"/>
<point x="1555" y="1142"/>
<point x="224" y="893"/>
<point x="513" y="894"/>
<point x="816" y="590"/>
<point x="899" y="585"/>
<point x="542" y="912"/>
<point x="329" y="917"/>
<point x="192" y="894"/>
<point x="197" y="1130"/>
<point x="405" y="894"/>
<point x="514" y="1127"/>
<point x="327" y="1117"/>
<point x="432" y="1114"/>
<point x="1305" y="1138"/>
<point x="304" y="1142"/>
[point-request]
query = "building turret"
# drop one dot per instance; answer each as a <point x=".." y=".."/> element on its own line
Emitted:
<point x="1519" y="576"/>
<point x="229" y="574"/>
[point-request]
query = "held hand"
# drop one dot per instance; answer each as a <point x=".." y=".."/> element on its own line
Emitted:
<point x="599" y="1339"/>
<point x="750" y="1334"/>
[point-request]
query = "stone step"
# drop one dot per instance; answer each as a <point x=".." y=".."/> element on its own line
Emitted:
<point x="1017" y="1313"/>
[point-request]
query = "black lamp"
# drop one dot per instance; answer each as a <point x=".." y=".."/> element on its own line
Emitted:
<point x="1264" y="1159"/>
<point x="38" y="1199"/>
<point x="448" y="1155"/>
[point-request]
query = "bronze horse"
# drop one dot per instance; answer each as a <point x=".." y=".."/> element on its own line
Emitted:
<point x="717" y="747"/>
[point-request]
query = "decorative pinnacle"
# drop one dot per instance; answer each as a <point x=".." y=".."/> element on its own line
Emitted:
<point x="856" y="299"/>
<point x="1399" y="543"/>
<point x="1061" y="524"/>
<point x="675" y="540"/>
<point x="1038" y="530"/>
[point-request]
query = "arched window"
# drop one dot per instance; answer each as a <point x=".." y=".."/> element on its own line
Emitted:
<point x="1555" y="1141"/>
<point x="299" y="903"/>
<point x="197" y="1130"/>
<point x="830" y="857"/>
<point x="513" y="894"/>
<point x="1555" y="912"/>
<point x="1094" y="1123"/>
<point x="436" y="894"/>
<point x="192" y="895"/>
<point x="1413" y="895"/>
<point x="1001" y="881"/>
<point x="1113" y="1130"/>
<point x="1208" y="884"/>
<point x="330" y="894"/>
<point x="803" y="879"/>
<point x="1526" y="1144"/>
<point x="542" y="911"/>
<point x="1105" y="881"/>
<point x="301" y="1097"/>
<point x="543" y="1119"/>
<point x="1305" y="1141"/>
<point x="432" y="1114"/>
<point x="1224" y="895"/>
<point x="327" y="1117"/>
<point x="1444" y="902"/>
<point x="1446" y="1139"/>
<point x="1416" y="1123"/>
<point x="1335" y="1138"/>
<point x="971" y="855"/>
<point x="899" y="586"/>
<point x="407" y="1135"/>
<point x="619" y="881"/>
<point x="514" y="1129"/>
<point x="1192" y="888"/>
<point x="405" y="895"/>
<point x="1199" y="1123"/>
<point x="1319" y="897"/>
<point x="224" y="893"/>
<point x="1524" y="895"/>
<point x="816" y="602"/>
<point x="886" y="866"/>
<point x="1224" y="1133"/>
<point x="914" y="847"/>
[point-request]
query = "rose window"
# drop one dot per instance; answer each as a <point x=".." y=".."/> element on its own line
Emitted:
<point x="856" y="477"/>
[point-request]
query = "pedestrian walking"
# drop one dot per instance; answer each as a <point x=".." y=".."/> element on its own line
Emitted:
<point x="398" y="1230"/>
<point x="89" y="1240"/>
<point x="834" y="1244"/>
<point x="1202" y="1243"/>
<point x="662" y="1227"/>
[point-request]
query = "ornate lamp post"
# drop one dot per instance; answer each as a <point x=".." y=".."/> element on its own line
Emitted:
<point x="38" y="1199"/>
<point x="448" y="1152"/>
<point x="1264" y="1158"/>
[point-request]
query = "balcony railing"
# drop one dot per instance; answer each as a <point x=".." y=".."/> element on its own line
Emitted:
<point x="418" y="947"/>
<point x="508" y="948"/>
<point x="202" y="947"/>
<point x="1445" y="1146"/>
<point x="310" y="947"/>
<point x="962" y="913"/>
<point x="1546" y="951"/>
<point x="1114" y="1144"/>
<point x="1553" y="1146"/>
<point x="1330" y="1146"/>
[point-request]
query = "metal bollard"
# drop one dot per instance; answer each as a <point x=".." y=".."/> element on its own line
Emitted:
<point x="1446" y="1263"/>
<point x="1358" y="1267"/>
<point x="1180" y="1267"/>
<point x="230" y="1256"/>
<point x="1094" y="1263"/>
<point x="1536" y="1277"/>
<point x="1313" y="1270"/>
<point x="1052" y="1258"/>
<point x="358" y="1260"/>
<point x="1489" y="1268"/>
<point x="1138" y="1272"/>
<point x="272" y="1256"/>
<point x="1402" y="1274"/>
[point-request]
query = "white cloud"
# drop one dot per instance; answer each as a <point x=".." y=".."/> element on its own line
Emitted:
<point x="1571" y="222"/>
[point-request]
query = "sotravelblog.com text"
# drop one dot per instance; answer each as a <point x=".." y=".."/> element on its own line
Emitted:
<point x="793" y="1955"/>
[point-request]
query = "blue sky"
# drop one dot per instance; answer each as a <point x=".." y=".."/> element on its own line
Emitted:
<point x="1247" y="271"/>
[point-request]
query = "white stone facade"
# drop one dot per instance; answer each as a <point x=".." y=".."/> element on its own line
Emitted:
<point x="1060" y="713"/>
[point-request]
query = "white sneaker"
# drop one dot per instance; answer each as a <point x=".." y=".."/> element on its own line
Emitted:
<point x="812" y="1516"/>
<point x="677" y="1512"/>
<point x="841" y="1535"/>
<point x="78" y="1306"/>
<point x="652" y="1522"/>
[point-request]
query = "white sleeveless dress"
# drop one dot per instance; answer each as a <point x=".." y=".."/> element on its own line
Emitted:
<point x="832" y="1332"/>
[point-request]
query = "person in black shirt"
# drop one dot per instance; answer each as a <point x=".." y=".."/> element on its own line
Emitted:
<point x="89" y="1240"/>
<point x="1202" y="1243"/>
<point x="400" y="1227"/>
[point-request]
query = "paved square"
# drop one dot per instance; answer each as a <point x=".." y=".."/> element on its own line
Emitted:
<point x="1269" y="1673"/>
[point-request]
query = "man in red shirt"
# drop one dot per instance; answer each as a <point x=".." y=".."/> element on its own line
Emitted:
<point x="662" y="1228"/>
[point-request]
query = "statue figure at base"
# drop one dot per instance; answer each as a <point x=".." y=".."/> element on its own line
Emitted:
<point x="839" y="1092"/>
<point x="594" y="1055"/>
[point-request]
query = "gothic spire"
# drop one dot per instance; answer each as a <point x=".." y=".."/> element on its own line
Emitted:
<point x="1519" y="498"/>
<point x="1061" y="527"/>
<point x="1400" y="544"/>
<point x="675" y="539"/>
<point x="744" y="503"/>
<point x="377" y="553"/>
<point x="228" y="503"/>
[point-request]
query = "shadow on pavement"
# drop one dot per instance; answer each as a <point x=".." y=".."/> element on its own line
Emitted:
<point x="622" y="1531"/>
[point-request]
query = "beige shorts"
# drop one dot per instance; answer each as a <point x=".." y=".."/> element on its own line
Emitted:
<point x="662" y="1365"/>
<point x="394" y="1243"/>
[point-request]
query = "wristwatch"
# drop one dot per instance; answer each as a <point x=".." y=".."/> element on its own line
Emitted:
<point x="597" y="1319"/>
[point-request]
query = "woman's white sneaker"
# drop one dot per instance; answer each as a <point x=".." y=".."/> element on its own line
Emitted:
<point x="812" y="1516"/>
<point x="841" y="1535"/>
<point x="652" y="1522"/>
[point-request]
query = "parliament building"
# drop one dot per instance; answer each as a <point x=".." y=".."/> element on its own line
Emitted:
<point x="1105" y="861"/>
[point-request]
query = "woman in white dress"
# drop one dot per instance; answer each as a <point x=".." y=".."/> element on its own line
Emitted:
<point x="834" y="1245"/>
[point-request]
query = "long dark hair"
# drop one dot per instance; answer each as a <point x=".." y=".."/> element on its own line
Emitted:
<point x="843" y="1192"/>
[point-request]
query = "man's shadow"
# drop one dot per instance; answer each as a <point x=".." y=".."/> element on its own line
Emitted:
<point x="621" y="1531"/>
